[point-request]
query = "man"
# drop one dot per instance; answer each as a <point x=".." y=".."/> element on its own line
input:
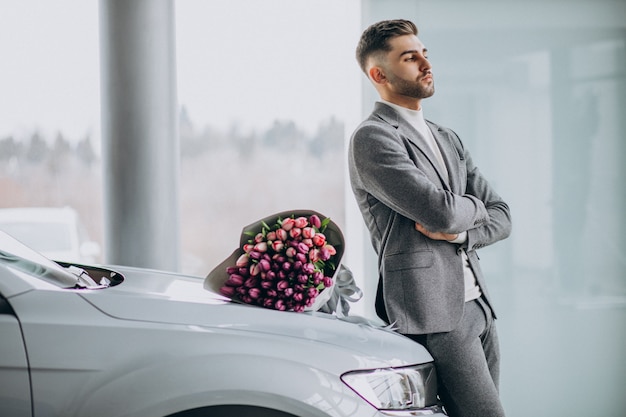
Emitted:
<point x="428" y="209"/>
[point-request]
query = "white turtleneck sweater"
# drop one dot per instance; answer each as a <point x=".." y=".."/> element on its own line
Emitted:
<point x="416" y="119"/>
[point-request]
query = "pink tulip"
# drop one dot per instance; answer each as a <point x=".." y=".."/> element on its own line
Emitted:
<point x="312" y="292"/>
<point x="315" y="221"/>
<point x="308" y="232"/>
<point x="301" y="222"/>
<point x="271" y="235"/>
<point x="309" y="302"/>
<point x="295" y="232"/>
<point x="272" y="293"/>
<point x="242" y="260"/>
<point x="255" y="269"/>
<point x="277" y="245"/>
<point x="288" y="292"/>
<point x="298" y="308"/>
<point x="331" y="249"/>
<point x="268" y="303"/>
<point x="266" y="285"/>
<point x="298" y="296"/>
<point x="288" y="224"/>
<point x="280" y="305"/>
<point x="303" y="279"/>
<point x="291" y="252"/>
<point x="282" y="285"/>
<point x="261" y="247"/>
<point x="247" y="247"/>
<point x="328" y="281"/>
<point x="259" y="238"/>
<point x="308" y="242"/>
<point x="314" y="255"/>
<point x="281" y="234"/>
<point x="319" y="239"/>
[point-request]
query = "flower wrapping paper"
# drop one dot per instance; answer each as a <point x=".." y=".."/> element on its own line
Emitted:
<point x="221" y="276"/>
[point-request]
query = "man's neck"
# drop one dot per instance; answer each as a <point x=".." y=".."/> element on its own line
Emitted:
<point x="403" y="101"/>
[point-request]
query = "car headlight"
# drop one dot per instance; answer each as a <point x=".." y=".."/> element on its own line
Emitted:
<point x="407" y="388"/>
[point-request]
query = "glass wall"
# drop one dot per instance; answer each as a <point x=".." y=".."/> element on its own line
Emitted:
<point x="537" y="91"/>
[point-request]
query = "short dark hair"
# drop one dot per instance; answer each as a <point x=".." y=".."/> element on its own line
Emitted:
<point x="376" y="38"/>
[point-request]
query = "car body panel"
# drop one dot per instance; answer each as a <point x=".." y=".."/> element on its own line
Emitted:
<point x="158" y="343"/>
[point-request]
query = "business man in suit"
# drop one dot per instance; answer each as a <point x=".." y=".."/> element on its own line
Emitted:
<point x="427" y="208"/>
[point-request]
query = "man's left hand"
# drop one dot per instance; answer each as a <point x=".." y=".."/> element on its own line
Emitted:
<point x="435" y="235"/>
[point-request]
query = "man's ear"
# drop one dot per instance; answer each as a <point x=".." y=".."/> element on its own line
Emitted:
<point x="377" y="75"/>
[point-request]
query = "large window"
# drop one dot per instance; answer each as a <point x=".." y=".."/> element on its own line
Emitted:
<point x="537" y="91"/>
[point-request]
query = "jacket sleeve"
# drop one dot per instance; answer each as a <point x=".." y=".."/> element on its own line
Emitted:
<point x="499" y="225"/>
<point x="381" y="166"/>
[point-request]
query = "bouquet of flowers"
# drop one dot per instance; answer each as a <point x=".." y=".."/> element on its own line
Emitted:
<point x="285" y="262"/>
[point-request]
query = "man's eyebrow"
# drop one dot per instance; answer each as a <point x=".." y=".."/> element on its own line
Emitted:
<point x="413" y="51"/>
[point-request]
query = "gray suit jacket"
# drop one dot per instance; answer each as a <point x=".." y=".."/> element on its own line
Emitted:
<point x="396" y="182"/>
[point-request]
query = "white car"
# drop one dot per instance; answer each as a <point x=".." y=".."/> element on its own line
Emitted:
<point x="120" y="341"/>
<point x="54" y="231"/>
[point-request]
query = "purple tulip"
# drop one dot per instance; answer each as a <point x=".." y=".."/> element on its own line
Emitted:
<point x="303" y="279"/>
<point x="303" y="248"/>
<point x="282" y="285"/>
<point x="280" y="305"/>
<point x="328" y="281"/>
<point x="298" y="296"/>
<point x="264" y="265"/>
<point x="227" y="291"/>
<point x="254" y="293"/>
<point x="251" y="283"/>
<point x="266" y="285"/>
<point x="234" y="280"/>
<point x="298" y="308"/>
<point x="288" y="292"/>
<point x="324" y="254"/>
<point x="232" y="270"/>
<point x="312" y="292"/>
<point x="315" y="221"/>
<point x="308" y="268"/>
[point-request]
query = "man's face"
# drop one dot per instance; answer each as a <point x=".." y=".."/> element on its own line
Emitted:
<point x="407" y="69"/>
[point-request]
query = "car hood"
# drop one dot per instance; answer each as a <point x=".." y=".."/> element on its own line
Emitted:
<point x="160" y="297"/>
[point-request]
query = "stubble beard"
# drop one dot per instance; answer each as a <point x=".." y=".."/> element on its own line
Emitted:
<point x="413" y="89"/>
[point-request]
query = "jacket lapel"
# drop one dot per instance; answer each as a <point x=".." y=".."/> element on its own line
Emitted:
<point x="392" y="117"/>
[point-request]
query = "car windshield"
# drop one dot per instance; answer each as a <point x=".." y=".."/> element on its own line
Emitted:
<point x="15" y="254"/>
<point x="42" y="236"/>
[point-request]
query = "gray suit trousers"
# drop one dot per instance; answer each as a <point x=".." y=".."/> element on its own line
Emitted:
<point x="468" y="363"/>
